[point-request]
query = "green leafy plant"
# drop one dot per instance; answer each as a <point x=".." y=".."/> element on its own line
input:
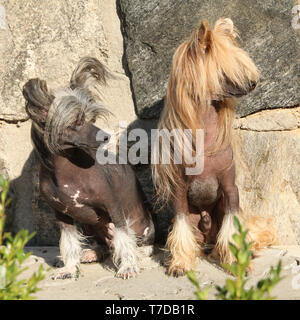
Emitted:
<point x="12" y="256"/>
<point x="234" y="289"/>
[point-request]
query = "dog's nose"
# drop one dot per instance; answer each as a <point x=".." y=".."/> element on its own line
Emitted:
<point x="106" y="138"/>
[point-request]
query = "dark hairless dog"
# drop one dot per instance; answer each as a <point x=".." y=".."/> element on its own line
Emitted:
<point x="104" y="199"/>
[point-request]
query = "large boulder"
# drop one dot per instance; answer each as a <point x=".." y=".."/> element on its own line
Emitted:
<point x="153" y="29"/>
<point x="46" y="39"/>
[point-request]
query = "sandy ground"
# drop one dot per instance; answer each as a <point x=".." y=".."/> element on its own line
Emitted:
<point x="97" y="281"/>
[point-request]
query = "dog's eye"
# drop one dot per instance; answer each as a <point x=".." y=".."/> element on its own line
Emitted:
<point x="75" y="126"/>
<point x="78" y="127"/>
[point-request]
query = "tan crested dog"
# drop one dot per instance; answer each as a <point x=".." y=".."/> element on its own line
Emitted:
<point x="209" y="70"/>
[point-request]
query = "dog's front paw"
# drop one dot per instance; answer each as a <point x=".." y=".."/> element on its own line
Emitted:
<point x="214" y="256"/>
<point x="127" y="272"/>
<point x="66" y="273"/>
<point x="176" y="271"/>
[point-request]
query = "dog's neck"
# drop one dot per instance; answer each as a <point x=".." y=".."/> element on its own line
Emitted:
<point x="210" y="121"/>
<point x="73" y="158"/>
<point x="76" y="156"/>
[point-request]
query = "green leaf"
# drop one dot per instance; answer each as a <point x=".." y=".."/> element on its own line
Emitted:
<point x="12" y="256"/>
<point x="243" y="257"/>
<point x="192" y="277"/>
<point x="233" y="249"/>
<point x="237" y="239"/>
<point x="202" y="294"/>
<point x="230" y="286"/>
<point x="232" y="268"/>
<point x="237" y="223"/>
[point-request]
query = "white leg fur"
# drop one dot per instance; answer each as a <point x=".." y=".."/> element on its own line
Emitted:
<point x="224" y="237"/>
<point x="125" y="252"/>
<point x="183" y="246"/>
<point x="70" y="244"/>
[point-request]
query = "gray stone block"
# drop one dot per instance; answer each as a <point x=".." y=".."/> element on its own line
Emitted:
<point x="153" y="29"/>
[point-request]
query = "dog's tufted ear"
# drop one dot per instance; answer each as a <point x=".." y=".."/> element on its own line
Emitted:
<point x="225" y="26"/>
<point x="38" y="99"/>
<point x="88" y="70"/>
<point x="203" y="34"/>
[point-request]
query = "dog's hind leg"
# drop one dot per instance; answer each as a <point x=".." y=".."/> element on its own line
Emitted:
<point x="182" y="241"/>
<point x="102" y="233"/>
<point x="97" y="253"/>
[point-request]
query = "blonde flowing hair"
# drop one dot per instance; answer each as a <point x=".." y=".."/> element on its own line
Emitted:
<point x="202" y="67"/>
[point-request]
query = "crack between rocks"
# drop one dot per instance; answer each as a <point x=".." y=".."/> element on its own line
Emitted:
<point x="13" y="121"/>
<point x="283" y="130"/>
<point x="270" y="109"/>
<point x="125" y="65"/>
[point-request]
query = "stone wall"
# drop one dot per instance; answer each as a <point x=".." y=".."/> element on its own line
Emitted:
<point x="268" y="168"/>
<point x="153" y="29"/>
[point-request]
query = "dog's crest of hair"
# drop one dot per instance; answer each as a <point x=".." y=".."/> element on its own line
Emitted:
<point x="52" y="113"/>
<point x="69" y="105"/>
<point x="88" y="71"/>
<point x="201" y="65"/>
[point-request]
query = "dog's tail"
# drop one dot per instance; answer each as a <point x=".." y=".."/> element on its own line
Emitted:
<point x="260" y="231"/>
<point x="261" y="234"/>
<point x="88" y="72"/>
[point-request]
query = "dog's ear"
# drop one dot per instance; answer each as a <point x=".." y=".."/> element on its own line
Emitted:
<point x="202" y="36"/>
<point x="88" y="70"/>
<point x="225" y="26"/>
<point x="38" y="99"/>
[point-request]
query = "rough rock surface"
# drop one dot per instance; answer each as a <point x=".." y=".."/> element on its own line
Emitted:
<point x="153" y="29"/>
<point x="46" y="39"/>
<point x="271" y="120"/>
<point x="28" y="210"/>
<point x="268" y="169"/>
